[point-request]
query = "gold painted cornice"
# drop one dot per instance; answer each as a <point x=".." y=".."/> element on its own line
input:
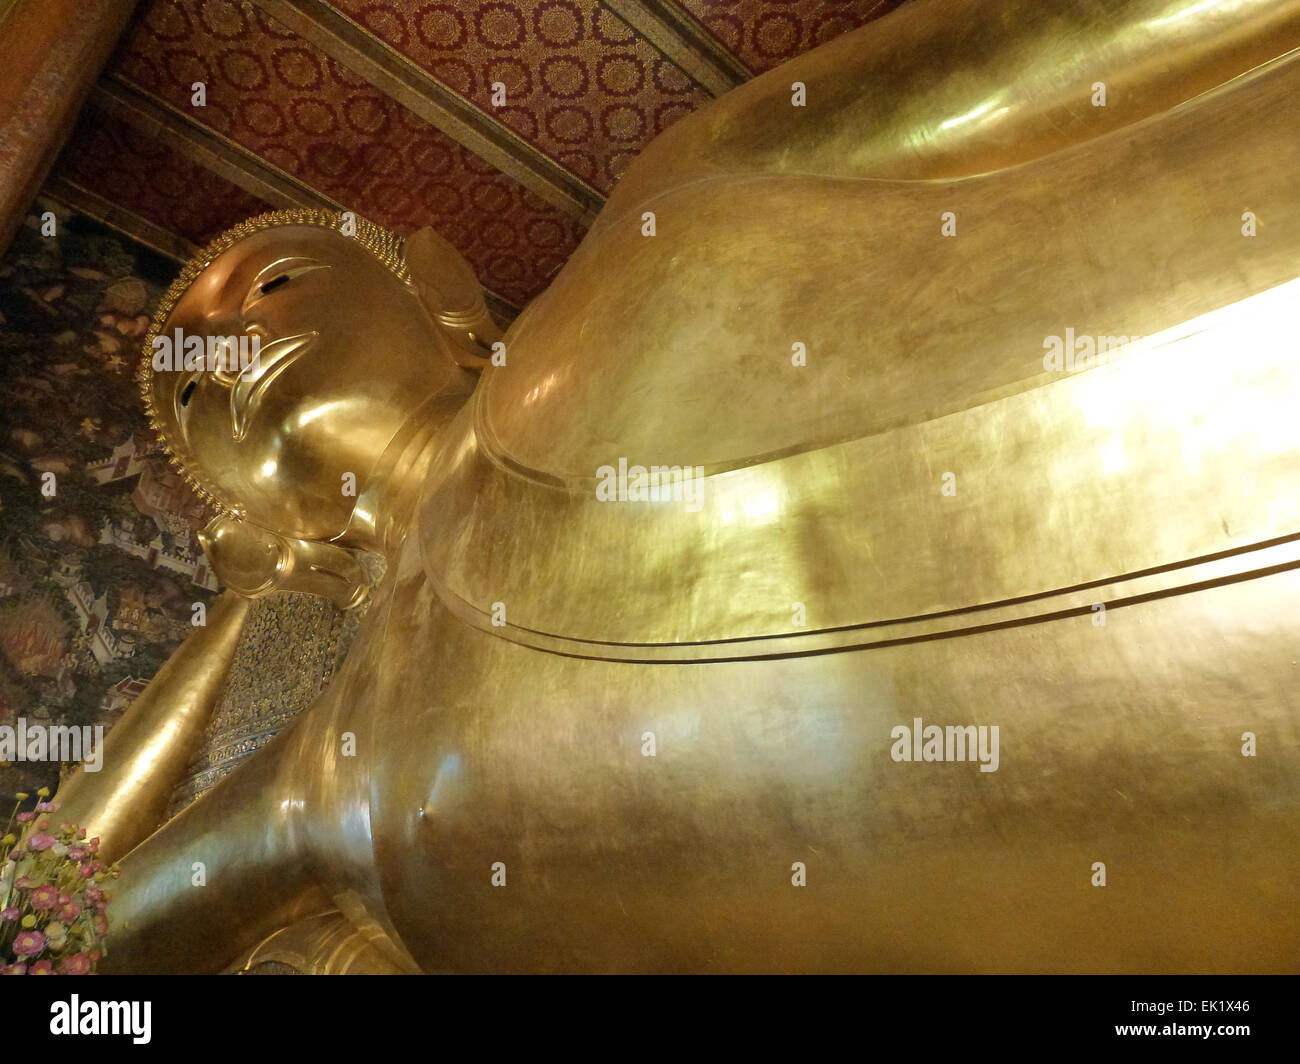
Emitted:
<point x="173" y="127"/>
<point x="683" y="42"/>
<point x="91" y="204"/>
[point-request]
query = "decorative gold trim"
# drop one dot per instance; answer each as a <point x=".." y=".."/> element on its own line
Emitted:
<point x="384" y="245"/>
<point x="132" y="226"/>
<point x="424" y="95"/>
<point x="180" y="132"/>
<point x="680" y="39"/>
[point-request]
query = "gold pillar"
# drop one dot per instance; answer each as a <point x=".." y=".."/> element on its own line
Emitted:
<point x="51" y="51"/>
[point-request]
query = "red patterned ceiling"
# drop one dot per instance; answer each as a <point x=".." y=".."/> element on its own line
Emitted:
<point x="580" y="85"/>
<point x="765" y="33"/>
<point x="148" y="178"/>
<point x="278" y="96"/>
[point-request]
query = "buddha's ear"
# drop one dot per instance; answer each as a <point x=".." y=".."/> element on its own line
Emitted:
<point x="253" y="561"/>
<point x="452" y="295"/>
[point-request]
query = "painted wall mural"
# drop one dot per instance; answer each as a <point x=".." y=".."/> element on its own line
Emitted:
<point x="100" y="567"/>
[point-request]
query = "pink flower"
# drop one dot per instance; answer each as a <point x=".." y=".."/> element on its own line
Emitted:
<point x="77" y="964"/>
<point x="41" y="968"/>
<point x="86" y="870"/>
<point x="41" y="841"/>
<point x="101" y="925"/>
<point x="47" y="807"/>
<point x="23" y="883"/>
<point x="45" y="897"/>
<point x="10" y="913"/>
<point x="69" y="912"/>
<point x="26" y="818"/>
<point x="28" y="943"/>
<point x="14" y="969"/>
<point x="93" y="894"/>
<point x="94" y="844"/>
<point x="76" y="852"/>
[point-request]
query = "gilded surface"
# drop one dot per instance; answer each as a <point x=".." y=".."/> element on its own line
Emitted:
<point x="598" y="733"/>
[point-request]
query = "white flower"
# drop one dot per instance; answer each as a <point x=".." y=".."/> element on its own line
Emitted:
<point x="56" y="934"/>
<point x="59" y="849"/>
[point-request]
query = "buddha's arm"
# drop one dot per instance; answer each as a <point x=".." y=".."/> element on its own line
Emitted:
<point x="284" y="836"/>
<point x="145" y="756"/>
<point x="224" y="874"/>
<point x="121" y="795"/>
<point x="229" y="865"/>
<point x="950" y="88"/>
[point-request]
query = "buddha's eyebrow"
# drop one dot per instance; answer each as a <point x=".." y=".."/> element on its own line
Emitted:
<point x="278" y="274"/>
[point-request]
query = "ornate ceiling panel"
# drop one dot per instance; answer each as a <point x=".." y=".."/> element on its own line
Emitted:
<point x="579" y="83"/>
<point x="275" y="94"/>
<point x="144" y="176"/>
<point x="765" y="33"/>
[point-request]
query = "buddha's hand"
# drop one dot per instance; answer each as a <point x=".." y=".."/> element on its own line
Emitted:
<point x="254" y="561"/>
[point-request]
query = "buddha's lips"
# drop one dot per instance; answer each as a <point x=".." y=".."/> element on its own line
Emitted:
<point x="272" y="360"/>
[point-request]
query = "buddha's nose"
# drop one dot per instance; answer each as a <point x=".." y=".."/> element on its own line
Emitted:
<point x="235" y="354"/>
<point x="249" y="385"/>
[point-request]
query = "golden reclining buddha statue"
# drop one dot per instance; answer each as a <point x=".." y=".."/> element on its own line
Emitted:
<point x="878" y="549"/>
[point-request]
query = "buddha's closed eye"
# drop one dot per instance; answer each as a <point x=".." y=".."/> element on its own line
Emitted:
<point x="277" y="275"/>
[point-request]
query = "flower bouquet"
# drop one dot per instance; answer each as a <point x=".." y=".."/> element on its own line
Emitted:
<point x="53" y="909"/>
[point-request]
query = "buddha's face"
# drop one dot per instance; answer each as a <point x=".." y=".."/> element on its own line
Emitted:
<point x="346" y="354"/>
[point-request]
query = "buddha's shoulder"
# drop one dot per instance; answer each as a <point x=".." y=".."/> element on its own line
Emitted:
<point x="1104" y="483"/>
<point x="856" y="398"/>
<point x="734" y="318"/>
